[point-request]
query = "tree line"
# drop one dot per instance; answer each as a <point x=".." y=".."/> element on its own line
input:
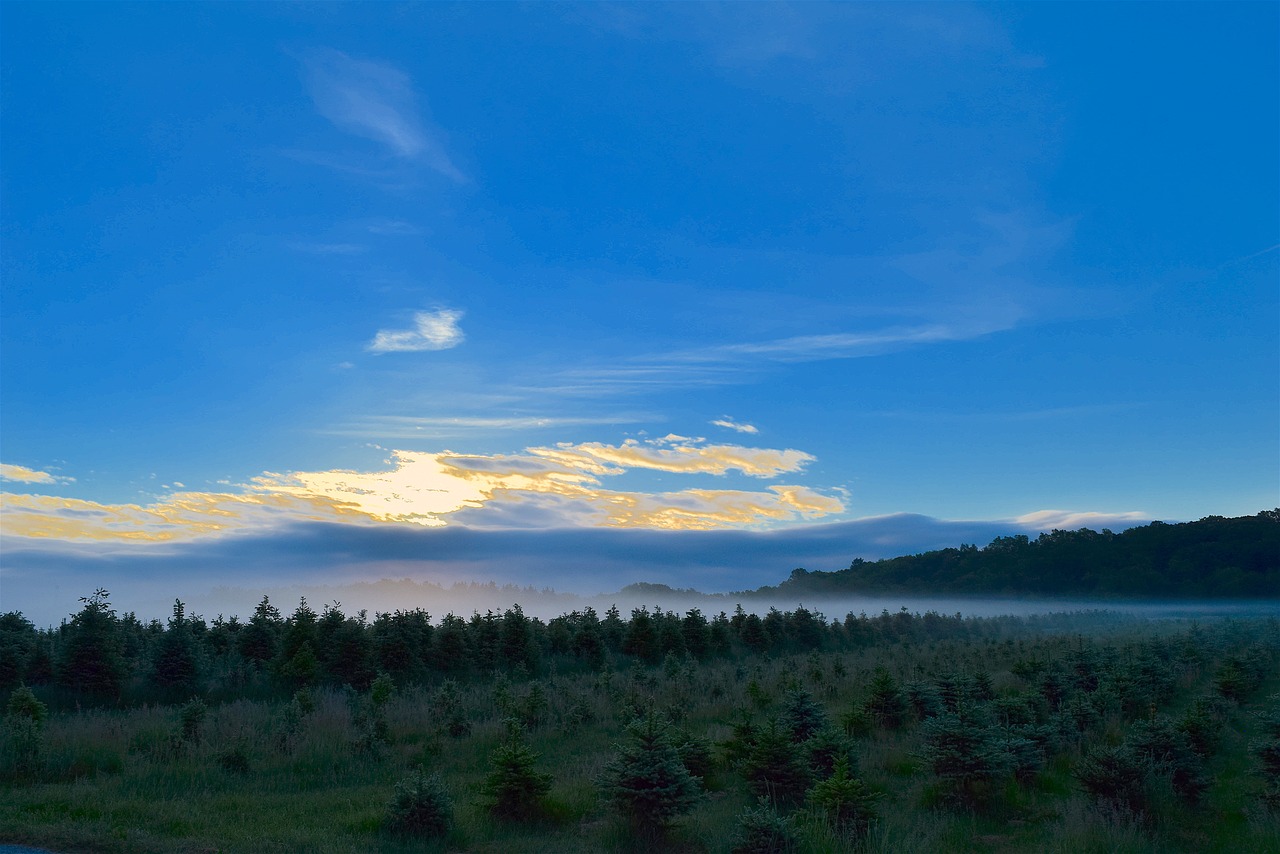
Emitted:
<point x="1213" y="558"/>
<point x="101" y="656"/>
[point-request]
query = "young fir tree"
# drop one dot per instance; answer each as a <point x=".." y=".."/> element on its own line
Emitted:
<point x="764" y="831"/>
<point x="175" y="666"/>
<point x="420" y="806"/>
<point x="775" y="768"/>
<point x="646" y="781"/>
<point x="91" y="657"/>
<point x="845" y="801"/>
<point x="886" y="705"/>
<point x="514" y="788"/>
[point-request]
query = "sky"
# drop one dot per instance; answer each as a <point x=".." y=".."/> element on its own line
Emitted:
<point x="576" y="295"/>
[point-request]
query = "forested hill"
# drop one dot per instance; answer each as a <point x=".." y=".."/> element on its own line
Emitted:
<point x="1214" y="558"/>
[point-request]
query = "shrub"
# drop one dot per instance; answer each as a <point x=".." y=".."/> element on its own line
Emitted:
<point x="420" y="806"/>
<point x="191" y="719"/>
<point x="25" y="721"/>
<point x="234" y="760"/>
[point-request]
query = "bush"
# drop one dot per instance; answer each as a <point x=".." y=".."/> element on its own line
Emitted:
<point x="420" y="806"/>
<point x="25" y="722"/>
<point x="234" y="760"/>
<point x="191" y="719"/>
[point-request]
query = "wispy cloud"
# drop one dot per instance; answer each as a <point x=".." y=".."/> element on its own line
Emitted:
<point x="1069" y="520"/>
<point x="329" y="248"/>
<point x="433" y="330"/>
<point x="22" y="474"/>
<point x="729" y="424"/>
<point x="841" y="345"/>
<point x="376" y="101"/>
<point x="410" y="427"/>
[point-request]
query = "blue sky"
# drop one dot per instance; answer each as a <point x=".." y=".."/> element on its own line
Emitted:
<point x="292" y="271"/>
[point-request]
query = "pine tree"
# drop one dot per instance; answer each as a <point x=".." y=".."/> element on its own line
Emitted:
<point x="646" y="781"/>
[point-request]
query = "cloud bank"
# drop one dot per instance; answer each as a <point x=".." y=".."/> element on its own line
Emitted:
<point x="43" y="579"/>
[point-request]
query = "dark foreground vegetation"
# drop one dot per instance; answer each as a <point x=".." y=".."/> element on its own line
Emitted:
<point x="1214" y="558"/>
<point x="661" y="731"/>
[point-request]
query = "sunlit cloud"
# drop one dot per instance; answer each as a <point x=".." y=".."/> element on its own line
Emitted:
<point x="375" y="101"/>
<point x="686" y="458"/>
<point x="559" y="486"/>
<point x="433" y="330"/>
<point x="178" y="517"/>
<point x="22" y="474"/>
<point x="729" y="424"/>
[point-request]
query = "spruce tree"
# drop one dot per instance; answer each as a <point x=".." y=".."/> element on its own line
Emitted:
<point x="844" y="801"/>
<point x="514" y="788"/>
<point x="775" y="768"/>
<point x="646" y="781"/>
<point x="91" y="659"/>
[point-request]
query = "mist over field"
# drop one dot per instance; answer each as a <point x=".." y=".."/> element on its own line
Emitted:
<point x="326" y="562"/>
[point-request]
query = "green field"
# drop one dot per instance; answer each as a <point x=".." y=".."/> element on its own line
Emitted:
<point x="1065" y="733"/>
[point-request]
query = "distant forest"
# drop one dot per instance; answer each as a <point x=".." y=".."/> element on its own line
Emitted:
<point x="1214" y="558"/>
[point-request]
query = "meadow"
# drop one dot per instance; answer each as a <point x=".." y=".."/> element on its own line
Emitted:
<point x="661" y="732"/>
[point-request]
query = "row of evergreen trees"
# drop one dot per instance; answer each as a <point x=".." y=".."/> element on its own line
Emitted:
<point x="99" y="655"/>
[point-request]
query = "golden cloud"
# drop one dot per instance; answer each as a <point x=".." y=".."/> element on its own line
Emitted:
<point x="683" y="457"/>
<point x="22" y="474"/>
<point x="562" y="483"/>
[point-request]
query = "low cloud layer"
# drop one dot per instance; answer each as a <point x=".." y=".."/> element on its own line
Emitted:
<point x="45" y="578"/>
